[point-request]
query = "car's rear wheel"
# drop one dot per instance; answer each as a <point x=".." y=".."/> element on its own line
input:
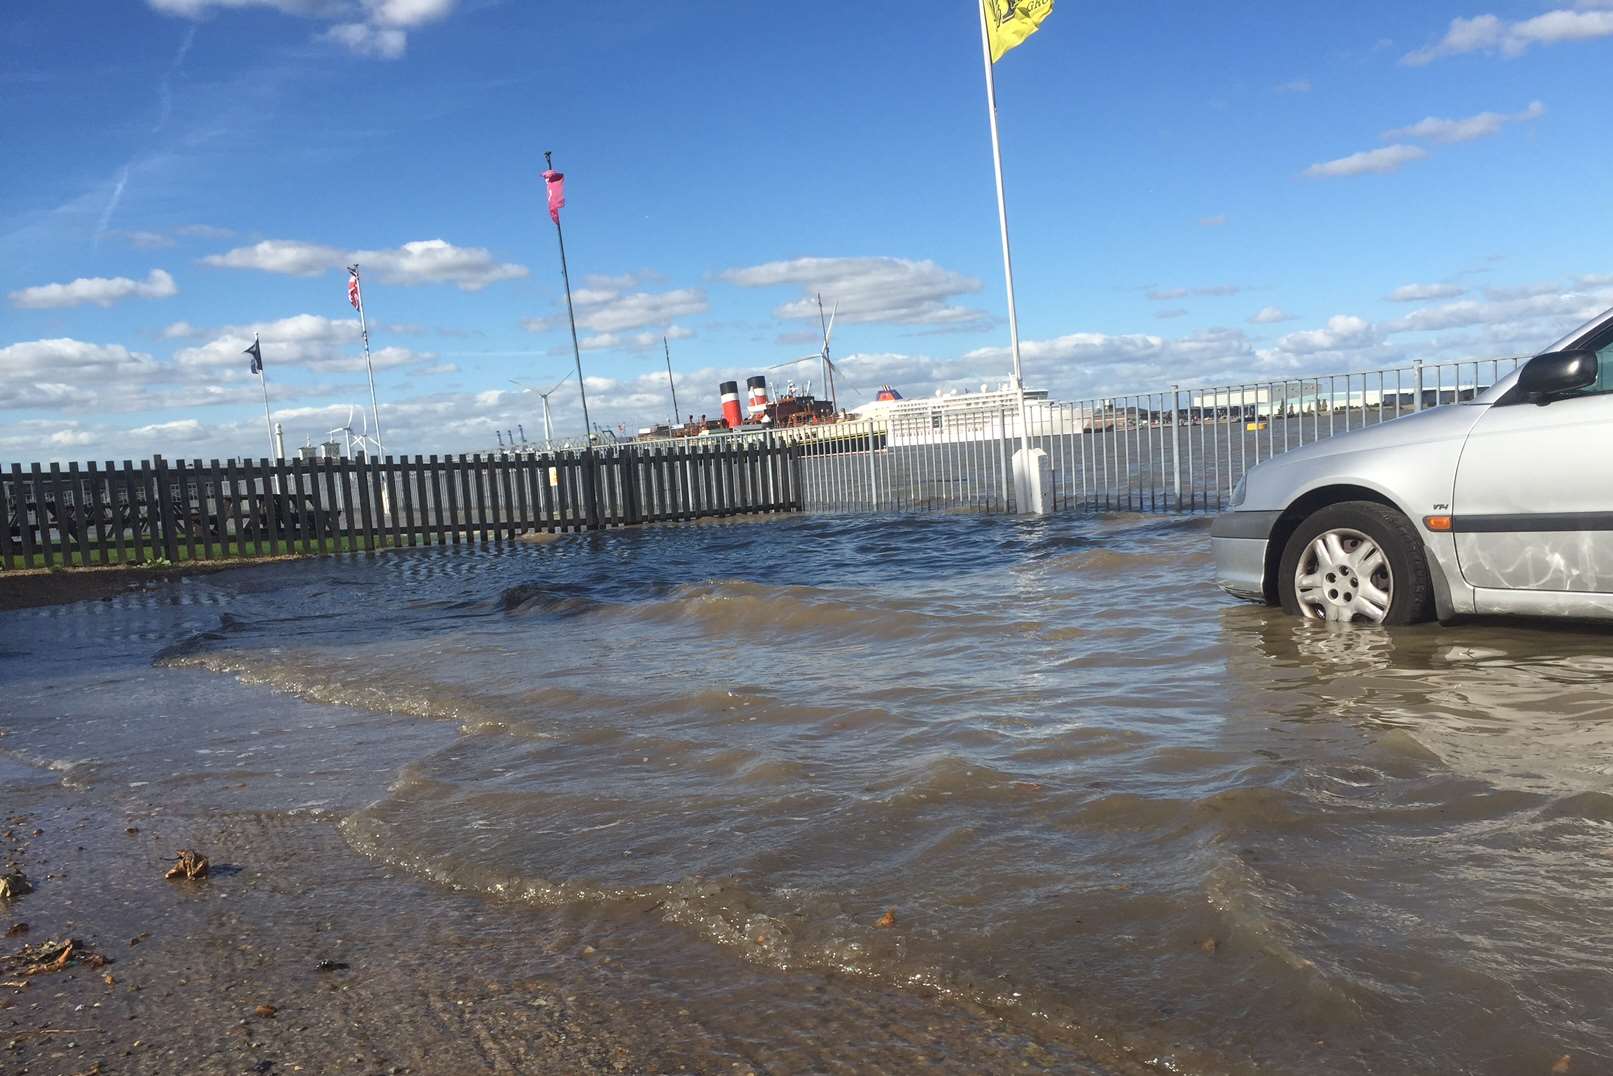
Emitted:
<point x="1356" y="562"/>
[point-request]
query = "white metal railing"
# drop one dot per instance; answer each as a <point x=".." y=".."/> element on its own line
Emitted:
<point x="1181" y="449"/>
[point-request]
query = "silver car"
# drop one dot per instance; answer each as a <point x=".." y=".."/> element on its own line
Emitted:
<point x="1499" y="505"/>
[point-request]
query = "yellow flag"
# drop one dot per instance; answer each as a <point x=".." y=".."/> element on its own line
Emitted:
<point x="1010" y="22"/>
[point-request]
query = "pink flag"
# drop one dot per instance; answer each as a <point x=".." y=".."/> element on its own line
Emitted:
<point x="352" y="287"/>
<point x="557" y="193"/>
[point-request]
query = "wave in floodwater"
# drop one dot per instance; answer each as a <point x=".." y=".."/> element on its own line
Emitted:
<point x="1039" y="766"/>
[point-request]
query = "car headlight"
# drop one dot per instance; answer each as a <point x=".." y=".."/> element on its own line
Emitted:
<point x="1239" y="491"/>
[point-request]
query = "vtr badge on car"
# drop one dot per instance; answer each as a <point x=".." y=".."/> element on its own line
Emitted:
<point x="1498" y="505"/>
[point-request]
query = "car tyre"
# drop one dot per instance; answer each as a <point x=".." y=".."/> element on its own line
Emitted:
<point x="1344" y="559"/>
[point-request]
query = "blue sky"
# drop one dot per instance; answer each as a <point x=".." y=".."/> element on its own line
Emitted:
<point x="1195" y="196"/>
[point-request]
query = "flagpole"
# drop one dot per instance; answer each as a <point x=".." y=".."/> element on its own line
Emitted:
<point x="364" y="330"/>
<point x="268" y="423"/>
<point x="576" y="351"/>
<point x="671" y="384"/>
<point x="1002" y="221"/>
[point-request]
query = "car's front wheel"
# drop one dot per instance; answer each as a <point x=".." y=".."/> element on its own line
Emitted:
<point x="1356" y="562"/>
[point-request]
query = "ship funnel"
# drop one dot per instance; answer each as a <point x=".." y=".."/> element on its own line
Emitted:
<point x="730" y="404"/>
<point x="758" y="396"/>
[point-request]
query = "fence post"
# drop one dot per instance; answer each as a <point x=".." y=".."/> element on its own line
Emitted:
<point x="873" y="475"/>
<point x="1176" y="444"/>
<point x="590" y="489"/>
<point x="627" y="466"/>
<point x="165" y="510"/>
<point x="6" y="501"/>
<point x="1417" y="384"/>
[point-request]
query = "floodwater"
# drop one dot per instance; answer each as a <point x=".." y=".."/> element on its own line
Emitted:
<point x="1120" y="815"/>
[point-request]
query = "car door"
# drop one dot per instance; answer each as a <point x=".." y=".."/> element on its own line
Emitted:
<point x="1533" y="502"/>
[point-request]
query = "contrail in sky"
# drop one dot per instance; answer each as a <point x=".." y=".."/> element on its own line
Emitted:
<point x="111" y="205"/>
<point x="165" y="88"/>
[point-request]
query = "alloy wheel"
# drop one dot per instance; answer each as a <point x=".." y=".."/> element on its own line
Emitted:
<point x="1344" y="576"/>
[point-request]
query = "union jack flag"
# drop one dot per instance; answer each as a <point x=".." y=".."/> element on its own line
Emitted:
<point x="352" y="288"/>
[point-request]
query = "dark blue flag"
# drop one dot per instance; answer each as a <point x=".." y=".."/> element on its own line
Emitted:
<point x="257" y="357"/>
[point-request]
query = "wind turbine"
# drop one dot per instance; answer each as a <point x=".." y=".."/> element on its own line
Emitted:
<point x="348" y="436"/>
<point x="828" y="367"/>
<point x="825" y="364"/>
<point x="548" y="422"/>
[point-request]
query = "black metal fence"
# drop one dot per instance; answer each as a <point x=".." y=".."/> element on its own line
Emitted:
<point x="159" y="510"/>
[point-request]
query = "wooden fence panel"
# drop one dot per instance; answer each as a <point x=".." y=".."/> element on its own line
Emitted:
<point x="410" y="526"/>
<point x="547" y="479"/>
<point x="230" y="476"/>
<point x="421" y="474"/>
<point x="522" y="475"/>
<point x="25" y="526"/>
<point x="491" y="531"/>
<point x="82" y="514"/>
<point x="366" y="506"/>
<point x="46" y="497"/>
<point x="206" y="498"/>
<point x="506" y="496"/>
<point x="563" y="498"/>
<point x="467" y="511"/>
<point x="9" y="502"/>
<point x="378" y="500"/>
<point x="331" y="505"/>
<point x="316" y="503"/>
<point x="391" y="511"/>
<point x="443" y="497"/>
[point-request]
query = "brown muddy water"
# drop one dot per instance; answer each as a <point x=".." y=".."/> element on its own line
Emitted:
<point x="1121" y="822"/>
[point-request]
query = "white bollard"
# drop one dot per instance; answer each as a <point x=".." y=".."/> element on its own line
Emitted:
<point x="1033" y="482"/>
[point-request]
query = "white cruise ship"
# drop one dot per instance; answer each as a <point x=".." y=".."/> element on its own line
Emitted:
<point x="953" y="417"/>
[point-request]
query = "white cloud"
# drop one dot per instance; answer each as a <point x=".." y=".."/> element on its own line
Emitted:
<point x="1564" y="307"/>
<point x="203" y="231"/>
<point x="1269" y="315"/>
<point x="195" y="9"/>
<point x="180" y="330"/>
<point x="185" y="429"/>
<point x="147" y="240"/>
<point x="1344" y="332"/>
<point x="1169" y="313"/>
<point x="435" y="261"/>
<point x="1418" y="293"/>
<point x="1383" y="159"/>
<point x="1298" y="85"/>
<point x="64" y="372"/>
<point x="408" y="13"/>
<point x="1213" y="222"/>
<point x="100" y="290"/>
<point x="378" y="31"/>
<point x="892" y="290"/>
<point x="423" y="261"/>
<point x="1439" y="129"/>
<point x="279" y="256"/>
<point x="1524" y="291"/>
<point x="1165" y="295"/>
<point x="1489" y="33"/>
<point x="362" y="39"/>
<point x="304" y="340"/>
<point x="631" y="341"/>
<point x="607" y="313"/>
<point x="619" y="282"/>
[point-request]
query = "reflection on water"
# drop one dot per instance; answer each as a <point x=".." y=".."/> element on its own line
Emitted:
<point x="1098" y="796"/>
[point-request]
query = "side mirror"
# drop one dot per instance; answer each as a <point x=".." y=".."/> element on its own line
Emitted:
<point x="1556" y="372"/>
